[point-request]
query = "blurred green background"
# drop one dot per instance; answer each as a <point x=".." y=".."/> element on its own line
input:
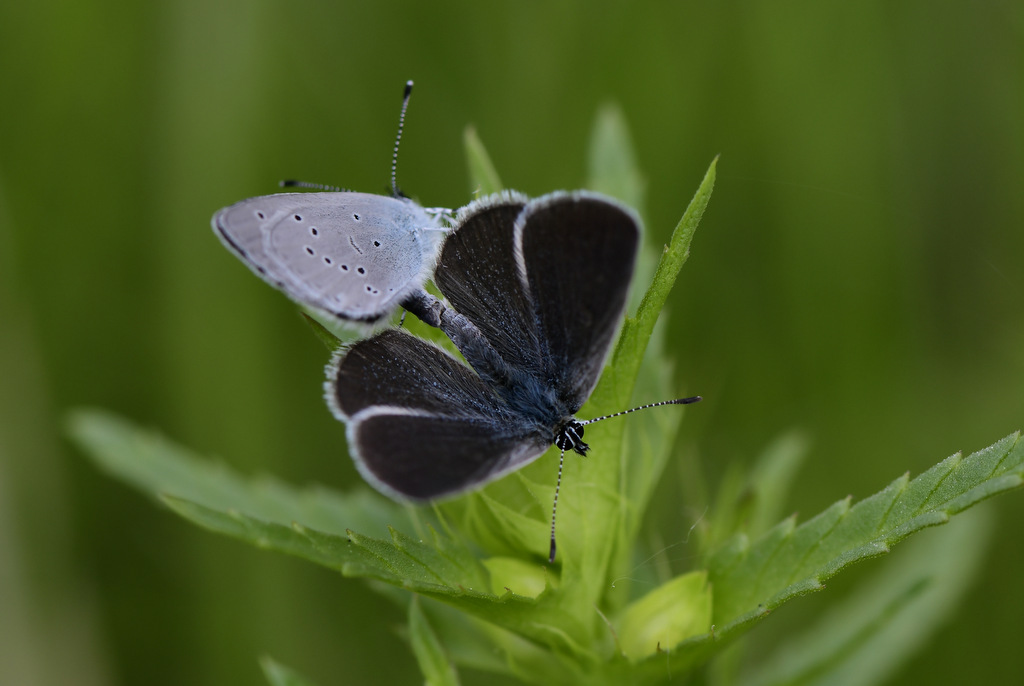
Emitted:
<point x="857" y="276"/>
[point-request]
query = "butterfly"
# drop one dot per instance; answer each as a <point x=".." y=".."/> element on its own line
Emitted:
<point x="534" y="293"/>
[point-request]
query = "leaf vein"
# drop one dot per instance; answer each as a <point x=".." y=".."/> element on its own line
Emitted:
<point x="798" y="567"/>
<point x="926" y="501"/>
<point x="892" y="504"/>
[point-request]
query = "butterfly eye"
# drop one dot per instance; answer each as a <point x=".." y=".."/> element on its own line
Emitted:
<point x="561" y="441"/>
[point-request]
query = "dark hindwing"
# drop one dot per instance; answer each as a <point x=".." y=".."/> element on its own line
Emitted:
<point x="428" y="456"/>
<point x="421" y="424"/>
<point x="578" y="250"/>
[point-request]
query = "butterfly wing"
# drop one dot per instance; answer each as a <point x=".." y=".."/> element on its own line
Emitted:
<point x="353" y="255"/>
<point x="480" y="275"/>
<point x="421" y="424"/>
<point x="578" y="251"/>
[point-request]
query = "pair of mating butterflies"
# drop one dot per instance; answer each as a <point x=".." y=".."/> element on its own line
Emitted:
<point x="534" y="291"/>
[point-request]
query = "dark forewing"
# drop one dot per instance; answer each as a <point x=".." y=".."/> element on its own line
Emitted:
<point x="478" y="273"/>
<point x="421" y="424"/>
<point x="579" y="251"/>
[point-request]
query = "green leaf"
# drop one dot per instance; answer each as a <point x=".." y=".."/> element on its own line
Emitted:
<point x="482" y="646"/>
<point x="611" y="164"/>
<point x="555" y="631"/>
<point x="279" y="675"/>
<point x="666" y="616"/>
<point x="512" y="574"/>
<point x="649" y="436"/>
<point x="727" y="502"/>
<point x="752" y="579"/>
<point x="769" y="482"/>
<point x="636" y="331"/>
<point x="751" y="502"/>
<point x="605" y="506"/>
<point x="264" y="513"/>
<point x="330" y="341"/>
<point x="434" y="664"/>
<point x="440" y="569"/>
<point x="155" y="465"/>
<point x="866" y="638"/>
<point x="508" y="517"/>
<point x="483" y="177"/>
<point x="612" y="169"/>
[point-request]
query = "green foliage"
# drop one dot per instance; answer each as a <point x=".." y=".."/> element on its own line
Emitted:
<point x="752" y="579"/>
<point x="686" y="618"/>
<point x="330" y="341"/>
<point x="863" y="639"/>
<point x="437" y="669"/>
<point x="483" y="177"/>
<point x="666" y="616"/>
<point x="483" y="595"/>
<point x="612" y="165"/>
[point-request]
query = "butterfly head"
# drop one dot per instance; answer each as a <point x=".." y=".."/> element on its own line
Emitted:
<point x="570" y="437"/>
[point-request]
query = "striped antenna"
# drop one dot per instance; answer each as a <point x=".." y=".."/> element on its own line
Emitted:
<point x="398" y="139"/>
<point x="678" y="401"/>
<point x="554" y="507"/>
